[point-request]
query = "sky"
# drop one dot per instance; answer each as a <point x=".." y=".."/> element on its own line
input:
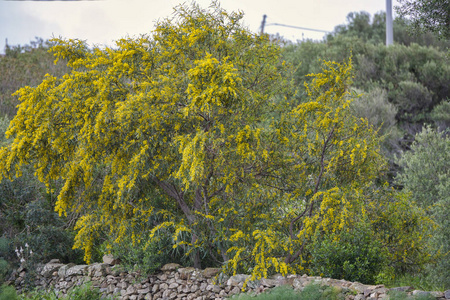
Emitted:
<point x="105" y="21"/>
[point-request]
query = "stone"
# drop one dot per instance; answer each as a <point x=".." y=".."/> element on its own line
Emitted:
<point x="173" y="285"/>
<point x="437" y="294"/>
<point x="359" y="297"/>
<point x="235" y="290"/>
<point x="131" y="290"/>
<point x="357" y="287"/>
<point x="211" y="272"/>
<point x="110" y="260"/>
<point x="447" y="294"/>
<point x="50" y="268"/>
<point x="170" y="267"/>
<point x="162" y="277"/>
<point x="54" y="261"/>
<point x="144" y="291"/>
<point x="402" y="289"/>
<point x="63" y="270"/>
<point x="237" y="279"/>
<point x="76" y="270"/>
<point x="420" y="293"/>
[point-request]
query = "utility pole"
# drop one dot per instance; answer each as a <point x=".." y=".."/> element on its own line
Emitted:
<point x="263" y="24"/>
<point x="389" y="27"/>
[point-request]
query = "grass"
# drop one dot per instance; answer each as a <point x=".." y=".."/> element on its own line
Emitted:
<point x="310" y="292"/>
<point x="83" y="292"/>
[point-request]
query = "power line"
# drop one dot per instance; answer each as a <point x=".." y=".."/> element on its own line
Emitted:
<point x="296" y="27"/>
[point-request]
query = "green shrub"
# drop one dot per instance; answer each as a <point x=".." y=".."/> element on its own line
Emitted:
<point x="398" y="295"/>
<point x="4" y="254"/>
<point x="7" y="293"/>
<point x="84" y="292"/>
<point x="425" y="173"/>
<point x="411" y="99"/>
<point x="440" y="115"/>
<point x="147" y="256"/>
<point x="375" y="107"/>
<point x="353" y="255"/>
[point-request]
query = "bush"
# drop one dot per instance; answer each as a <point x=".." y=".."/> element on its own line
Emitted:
<point x="148" y="255"/>
<point x="7" y="293"/>
<point x="440" y="115"/>
<point x="411" y="98"/>
<point x="84" y="292"/>
<point x="354" y="255"/>
<point x="398" y="295"/>
<point x="375" y="107"/>
<point x="46" y="234"/>
<point x="4" y="254"/>
<point x="426" y="169"/>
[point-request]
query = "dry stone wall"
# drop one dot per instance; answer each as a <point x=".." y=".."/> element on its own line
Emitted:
<point x="176" y="282"/>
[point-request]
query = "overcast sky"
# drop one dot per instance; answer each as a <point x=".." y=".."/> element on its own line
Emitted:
<point x="102" y="22"/>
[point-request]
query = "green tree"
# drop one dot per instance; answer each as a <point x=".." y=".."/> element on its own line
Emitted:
<point x="425" y="174"/>
<point x="24" y="65"/>
<point x="197" y="127"/>
<point x="427" y="15"/>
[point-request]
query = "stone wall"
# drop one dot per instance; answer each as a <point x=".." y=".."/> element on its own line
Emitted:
<point x="176" y="282"/>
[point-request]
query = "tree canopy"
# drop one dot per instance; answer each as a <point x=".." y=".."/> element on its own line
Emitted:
<point x="427" y="15"/>
<point x="195" y="131"/>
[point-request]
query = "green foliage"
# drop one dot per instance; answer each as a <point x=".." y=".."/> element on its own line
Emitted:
<point x="425" y="174"/>
<point x="398" y="295"/>
<point x="7" y="293"/>
<point x="441" y="115"/>
<point x="148" y="255"/>
<point x="427" y="15"/>
<point x="353" y="255"/>
<point x="411" y="98"/>
<point x="375" y="107"/>
<point x="4" y="269"/>
<point x="417" y="72"/>
<point x="310" y="292"/>
<point x="4" y="255"/>
<point x="24" y="65"/>
<point x="82" y="292"/>
<point x="372" y="30"/>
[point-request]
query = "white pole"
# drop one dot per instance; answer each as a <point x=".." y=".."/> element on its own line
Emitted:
<point x="389" y="27"/>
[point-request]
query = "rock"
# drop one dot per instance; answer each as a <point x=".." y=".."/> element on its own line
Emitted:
<point x="110" y="260"/>
<point x="54" y="261"/>
<point x="235" y="290"/>
<point x="237" y="279"/>
<point x="357" y="287"/>
<point x="359" y="297"/>
<point x="420" y="293"/>
<point x="447" y="294"/>
<point x="144" y="291"/>
<point x="437" y="294"/>
<point x="76" y="270"/>
<point x="170" y="267"/>
<point x="270" y="282"/>
<point x="63" y="270"/>
<point x="211" y="272"/>
<point x="131" y="290"/>
<point x="50" y="268"/>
